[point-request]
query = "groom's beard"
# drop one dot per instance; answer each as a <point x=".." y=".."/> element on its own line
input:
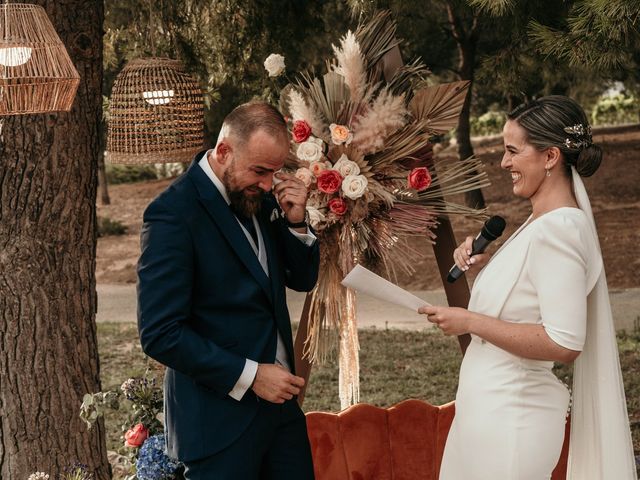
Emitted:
<point x="241" y="202"/>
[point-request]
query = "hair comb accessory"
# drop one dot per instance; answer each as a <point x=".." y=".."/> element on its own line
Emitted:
<point x="581" y="136"/>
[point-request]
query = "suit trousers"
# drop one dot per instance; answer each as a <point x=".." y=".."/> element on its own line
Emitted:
<point x="274" y="446"/>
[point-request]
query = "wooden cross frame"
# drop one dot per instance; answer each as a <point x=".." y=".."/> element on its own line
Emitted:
<point x="457" y="293"/>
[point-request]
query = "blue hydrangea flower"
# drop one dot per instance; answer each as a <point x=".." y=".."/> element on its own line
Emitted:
<point x="153" y="463"/>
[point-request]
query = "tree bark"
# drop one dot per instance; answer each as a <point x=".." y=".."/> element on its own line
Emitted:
<point x="466" y="39"/>
<point x="103" y="185"/>
<point x="48" y="345"/>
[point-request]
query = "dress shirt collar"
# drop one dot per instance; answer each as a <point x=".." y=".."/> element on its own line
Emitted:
<point x="204" y="164"/>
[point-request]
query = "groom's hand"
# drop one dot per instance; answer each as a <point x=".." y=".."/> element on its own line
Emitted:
<point x="292" y="197"/>
<point x="275" y="384"/>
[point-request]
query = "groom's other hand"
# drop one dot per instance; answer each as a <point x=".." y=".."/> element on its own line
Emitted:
<point x="275" y="384"/>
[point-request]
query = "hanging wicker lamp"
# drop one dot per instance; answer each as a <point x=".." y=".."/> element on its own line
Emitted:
<point x="36" y="73"/>
<point x="156" y="114"/>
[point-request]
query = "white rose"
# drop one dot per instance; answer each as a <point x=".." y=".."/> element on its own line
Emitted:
<point x="306" y="176"/>
<point x="354" y="186"/>
<point x="309" y="151"/>
<point x="316" y="217"/>
<point x="274" y="64"/>
<point x="346" y="166"/>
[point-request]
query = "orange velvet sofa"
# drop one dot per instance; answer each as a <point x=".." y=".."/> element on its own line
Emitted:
<point x="402" y="442"/>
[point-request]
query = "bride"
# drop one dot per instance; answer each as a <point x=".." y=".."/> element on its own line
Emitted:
<point x="541" y="298"/>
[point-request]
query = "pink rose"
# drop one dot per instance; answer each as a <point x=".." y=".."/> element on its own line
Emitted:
<point x="135" y="436"/>
<point x="419" y="179"/>
<point x="301" y="131"/>
<point x="305" y="176"/>
<point x="329" y="181"/>
<point x="338" y="206"/>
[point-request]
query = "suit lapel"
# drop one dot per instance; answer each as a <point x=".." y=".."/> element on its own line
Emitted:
<point x="283" y="322"/>
<point x="223" y="217"/>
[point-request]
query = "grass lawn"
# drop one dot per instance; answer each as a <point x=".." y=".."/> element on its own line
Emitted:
<point x="394" y="365"/>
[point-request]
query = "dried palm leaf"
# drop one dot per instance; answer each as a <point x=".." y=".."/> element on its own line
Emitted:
<point x="404" y="143"/>
<point x="439" y="106"/>
<point x="376" y="38"/>
<point x="407" y="77"/>
<point x="455" y="177"/>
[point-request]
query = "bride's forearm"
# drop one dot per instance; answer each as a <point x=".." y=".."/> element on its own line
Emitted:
<point x="523" y="339"/>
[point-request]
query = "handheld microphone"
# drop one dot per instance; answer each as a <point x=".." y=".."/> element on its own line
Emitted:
<point x="491" y="230"/>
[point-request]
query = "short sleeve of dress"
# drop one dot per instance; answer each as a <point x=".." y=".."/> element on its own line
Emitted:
<point x="559" y="268"/>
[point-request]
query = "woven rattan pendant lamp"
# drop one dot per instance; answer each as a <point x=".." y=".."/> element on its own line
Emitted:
<point x="156" y="114"/>
<point x="36" y="73"/>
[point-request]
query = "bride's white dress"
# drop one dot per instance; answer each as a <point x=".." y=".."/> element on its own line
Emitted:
<point x="511" y="411"/>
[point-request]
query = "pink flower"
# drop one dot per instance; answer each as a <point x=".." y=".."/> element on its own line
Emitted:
<point x="301" y="131"/>
<point x="329" y="181"/>
<point x="338" y="206"/>
<point x="135" y="436"/>
<point x="419" y="179"/>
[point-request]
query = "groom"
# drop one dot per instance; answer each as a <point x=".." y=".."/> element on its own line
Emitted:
<point x="217" y="253"/>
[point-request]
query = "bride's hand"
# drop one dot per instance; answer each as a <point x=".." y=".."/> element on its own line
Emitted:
<point x="451" y="320"/>
<point x="463" y="259"/>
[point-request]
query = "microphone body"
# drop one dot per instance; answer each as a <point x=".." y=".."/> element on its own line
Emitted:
<point x="491" y="230"/>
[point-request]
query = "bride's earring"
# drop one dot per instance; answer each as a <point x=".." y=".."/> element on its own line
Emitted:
<point x="548" y="172"/>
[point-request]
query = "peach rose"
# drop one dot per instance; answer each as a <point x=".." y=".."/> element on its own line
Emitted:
<point x="301" y="131"/>
<point x="419" y="179"/>
<point x="318" y="167"/>
<point x="135" y="436"/>
<point x="338" y="206"/>
<point x="329" y="181"/>
<point x="340" y="134"/>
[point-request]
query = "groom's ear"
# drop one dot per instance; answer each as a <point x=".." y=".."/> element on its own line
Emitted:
<point x="223" y="152"/>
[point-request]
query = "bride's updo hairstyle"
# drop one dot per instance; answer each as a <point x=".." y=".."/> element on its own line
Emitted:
<point x="558" y="121"/>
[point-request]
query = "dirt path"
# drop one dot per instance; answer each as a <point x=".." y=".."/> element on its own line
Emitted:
<point x="614" y="191"/>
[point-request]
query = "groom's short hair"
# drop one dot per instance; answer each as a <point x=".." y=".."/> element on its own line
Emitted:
<point x="248" y="118"/>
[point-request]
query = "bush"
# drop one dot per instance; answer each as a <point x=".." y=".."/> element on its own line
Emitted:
<point x="489" y="123"/>
<point x="130" y="173"/>
<point x="616" y="109"/>
<point x="107" y="227"/>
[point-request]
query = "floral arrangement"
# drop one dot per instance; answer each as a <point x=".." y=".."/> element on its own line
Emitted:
<point x="153" y="463"/>
<point x="77" y="471"/>
<point x="143" y="437"/>
<point x="361" y="143"/>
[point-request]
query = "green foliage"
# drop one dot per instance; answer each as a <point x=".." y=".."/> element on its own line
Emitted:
<point x="489" y="123"/>
<point x="130" y="173"/>
<point x="395" y="365"/>
<point x="600" y="35"/>
<point x="223" y="43"/>
<point x="107" y="227"/>
<point x="615" y="109"/>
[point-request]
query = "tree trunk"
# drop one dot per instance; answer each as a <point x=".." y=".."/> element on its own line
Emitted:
<point x="103" y="186"/>
<point x="467" y="49"/>
<point x="466" y="39"/>
<point x="48" y="347"/>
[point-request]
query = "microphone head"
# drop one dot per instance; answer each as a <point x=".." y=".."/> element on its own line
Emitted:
<point x="493" y="227"/>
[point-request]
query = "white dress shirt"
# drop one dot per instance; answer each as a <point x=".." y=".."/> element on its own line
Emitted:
<point x="251" y="367"/>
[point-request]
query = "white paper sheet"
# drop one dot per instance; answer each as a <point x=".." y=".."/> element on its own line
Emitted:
<point x="365" y="281"/>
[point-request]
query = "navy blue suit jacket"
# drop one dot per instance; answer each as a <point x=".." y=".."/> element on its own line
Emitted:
<point x="205" y="305"/>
